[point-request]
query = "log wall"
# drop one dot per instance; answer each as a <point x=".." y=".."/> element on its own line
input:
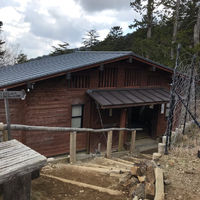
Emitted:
<point x="49" y="104"/>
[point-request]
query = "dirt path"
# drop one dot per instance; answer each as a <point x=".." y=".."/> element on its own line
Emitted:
<point x="182" y="167"/>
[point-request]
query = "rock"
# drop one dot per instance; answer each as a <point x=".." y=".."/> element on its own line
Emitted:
<point x="135" y="171"/>
<point x="149" y="190"/>
<point x="132" y="190"/>
<point x="142" y="178"/>
<point x="156" y="156"/>
<point x="171" y="163"/>
<point x="132" y="181"/>
<point x="135" y="198"/>
<point x="139" y="191"/>
<point x="50" y="159"/>
<point x="150" y="175"/>
<point x="167" y="182"/>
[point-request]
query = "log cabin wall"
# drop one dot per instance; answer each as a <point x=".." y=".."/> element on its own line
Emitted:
<point x="50" y="103"/>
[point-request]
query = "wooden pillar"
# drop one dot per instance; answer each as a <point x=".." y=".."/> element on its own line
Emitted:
<point x="1" y="132"/>
<point x="121" y="133"/>
<point x="109" y="144"/>
<point x="132" y="147"/>
<point x="72" y="147"/>
<point x="18" y="188"/>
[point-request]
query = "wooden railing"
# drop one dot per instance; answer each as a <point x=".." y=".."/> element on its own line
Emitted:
<point x="73" y="133"/>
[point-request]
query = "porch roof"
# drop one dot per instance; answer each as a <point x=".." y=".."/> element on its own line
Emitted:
<point x="129" y="97"/>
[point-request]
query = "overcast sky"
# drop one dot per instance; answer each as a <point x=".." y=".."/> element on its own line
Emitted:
<point x="36" y="25"/>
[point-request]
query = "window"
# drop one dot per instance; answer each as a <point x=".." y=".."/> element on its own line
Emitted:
<point x="77" y="116"/>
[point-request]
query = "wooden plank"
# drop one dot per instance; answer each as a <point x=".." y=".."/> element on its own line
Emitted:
<point x="133" y="136"/>
<point x="109" y="144"/>
<point x="21" y="169"/>
<point x="159" y="184"/>
<point x="17" y="159"/>
<point x="85" y="185"/>
<point x="72" y="147"/>
<point x="18" y="188"/>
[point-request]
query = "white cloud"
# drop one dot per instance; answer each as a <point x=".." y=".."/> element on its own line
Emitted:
<point x="37" y="25"/>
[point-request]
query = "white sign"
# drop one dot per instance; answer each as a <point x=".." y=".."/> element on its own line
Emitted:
<point x="12" y="94"/>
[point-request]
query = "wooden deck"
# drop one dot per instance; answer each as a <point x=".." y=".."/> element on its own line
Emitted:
<point x="17" y="159"/>
<point x="17" y="162"/>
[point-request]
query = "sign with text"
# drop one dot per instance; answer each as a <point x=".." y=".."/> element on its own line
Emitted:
<point x="12" y="94"/>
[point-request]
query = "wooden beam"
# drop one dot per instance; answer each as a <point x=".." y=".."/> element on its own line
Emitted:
<point x="18" y="188"/>
<point x="72" y="147"/>
<point x="85" y="185"/>
<point x="109" y="144"/>
<point x="133" y="136"/>
<point x="159" y="184"/>
<point x="122" y="133"/>
<point x="65" y="129"/>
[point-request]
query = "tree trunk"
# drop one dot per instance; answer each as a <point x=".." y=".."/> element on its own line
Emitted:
<point x="150" y="8"/>
<point x="197" y="27"/>
<point x="175" y="28"/>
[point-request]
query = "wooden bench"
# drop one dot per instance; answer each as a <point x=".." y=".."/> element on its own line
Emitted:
<point x="17" y="163"/>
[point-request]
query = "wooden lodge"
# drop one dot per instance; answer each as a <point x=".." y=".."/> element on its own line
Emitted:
<point x="90" y="90"/>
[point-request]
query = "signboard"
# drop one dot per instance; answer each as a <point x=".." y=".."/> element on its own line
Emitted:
<point x="12" y="94"/>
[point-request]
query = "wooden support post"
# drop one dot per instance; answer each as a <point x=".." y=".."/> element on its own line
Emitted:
<point x="1" y="132"/>
<point x="7" y="110"/>
<point x="133" y="136"/>
<point x="122" y="133"/>
<point x="18" y="188"/>
<point x="72" y="147"/>
<point x="109" y="144"/>
<point x="121" y="141"/>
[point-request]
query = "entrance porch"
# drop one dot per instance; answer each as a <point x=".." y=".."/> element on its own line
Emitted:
<point x="129" y="108"/>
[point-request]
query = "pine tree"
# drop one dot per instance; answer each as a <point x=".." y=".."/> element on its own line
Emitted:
<point x="2" y="52"/>
<point x="115" y="33"/>
<point x="21" y="58"/>
<point x="61" y="49"/>
<point x="91" y="39"/>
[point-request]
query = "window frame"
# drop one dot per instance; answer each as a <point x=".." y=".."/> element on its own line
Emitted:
<point x="78" y="116"/>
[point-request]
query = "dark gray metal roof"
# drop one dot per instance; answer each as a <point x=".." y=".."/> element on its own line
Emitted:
<point x="51" y="65"/>
<point x="129" y="97"/>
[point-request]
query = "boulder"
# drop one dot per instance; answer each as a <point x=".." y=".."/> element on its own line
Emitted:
<point x="150" y="175"/>
<point x="142" y="178"/>
<point x="149" y="190"/>
<point x="135" y="171"/>
<point x="156" y="156"/>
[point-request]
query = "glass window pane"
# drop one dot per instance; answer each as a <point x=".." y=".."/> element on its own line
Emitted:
<point x="76" y="122"/>
<point x="76" y="111"/>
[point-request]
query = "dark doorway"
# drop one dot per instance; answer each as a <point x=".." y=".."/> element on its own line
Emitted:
<point x="143" y="117"/>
